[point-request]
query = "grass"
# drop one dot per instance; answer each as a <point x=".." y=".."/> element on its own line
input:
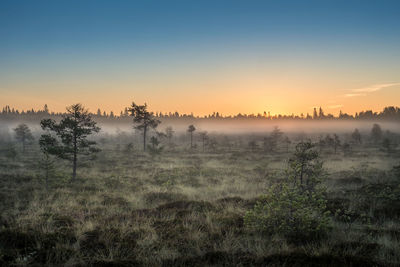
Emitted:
<point x="186" y="208"/>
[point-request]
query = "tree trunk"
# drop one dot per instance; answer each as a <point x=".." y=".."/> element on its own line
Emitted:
<point x="47" y="178"/>
<point x="144" y="138"/>
<point x="191" y="139"/>
<point x="301" y="173"/>
<point x="75" y="159"/>
<point x="74" y="167"/>
<point x="47" y="170"/>
<point x="23" y="143"/>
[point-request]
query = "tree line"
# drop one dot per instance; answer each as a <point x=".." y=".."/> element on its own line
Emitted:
<point x="390" y="113"/>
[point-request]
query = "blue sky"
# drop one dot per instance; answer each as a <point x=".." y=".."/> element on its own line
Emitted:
<point x="152" y="49"/>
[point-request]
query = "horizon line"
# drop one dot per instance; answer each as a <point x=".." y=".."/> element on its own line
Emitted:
<point x="317" y="111"/>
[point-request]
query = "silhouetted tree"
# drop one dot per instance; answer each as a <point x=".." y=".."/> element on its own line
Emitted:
<point x="48" y="145"/>
<point x="336" y="142"/>
<point x="212" y="144"/>
<point x="269" y="144"/>
<point x="305" y="164"/>
<point x="376" y="133"/>
<point x="46" y="109"/>
<point x="169" y="133"/>
<point x="287" y="142"/>
<point x="346" y="149"/>
<point x="73" y="130"/>
<point x="128" y="148"/>
<point x="143" y="120"/>
<point x="190" y="130"/>
<point x="315" y="114"/>
<point x="154" y="149"/>
<point x="204" y="138"/>
<point x="387" y="145"/>
<point x="154" y="142"/>
<point x="321" y="114"/>
<point x="276" y="136"/>
<point x="356" y="136"/>
<point x="160" y="136"/>
<point x="253" y="145"/>
<point x="271" y="141"/>
<point x="23" y="134"/>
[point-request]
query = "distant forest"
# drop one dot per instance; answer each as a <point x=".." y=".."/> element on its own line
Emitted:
<point x="387" y="114"/>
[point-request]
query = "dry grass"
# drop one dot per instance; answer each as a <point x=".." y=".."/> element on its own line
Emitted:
<point x="184" y="208"/>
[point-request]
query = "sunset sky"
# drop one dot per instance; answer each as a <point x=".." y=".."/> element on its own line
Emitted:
<point x="201" y="56"/>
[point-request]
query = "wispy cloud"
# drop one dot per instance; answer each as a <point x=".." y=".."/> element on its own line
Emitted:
<point x="335" y="106"/>
<point x="369" y="89"/>
<point x="375" y="87"/>
<point x="352" y="95"/>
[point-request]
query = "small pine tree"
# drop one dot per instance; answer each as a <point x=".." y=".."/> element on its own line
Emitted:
<point x="346" y="149"/>
<point x="287" y="142"/>
<point x="387" y="145"/>
<point x="204" y="138"/>
<point x="336" y="142"/>
<point x="73" y="130"/>
<point x="190" y="130"/>
<point x="154" y="147"/>
<point x="295" y="210"/>
<point x="48" y="145"/>
<point x="253" y="145"/>
<point x="376" y="133"/>
<point x="169" y="132"/>
<point x="143" y="120"/>
<point x="23" y="134"/>
<point x="356" y="136"/>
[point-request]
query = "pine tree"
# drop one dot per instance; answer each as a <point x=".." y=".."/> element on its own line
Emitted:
<point x="23" y="134"/>
<point x="73" y="130"/>
<point x="143" y="120"/>
<point x="190" y="130"/>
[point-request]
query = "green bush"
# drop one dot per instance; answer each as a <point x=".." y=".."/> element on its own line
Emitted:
<point x="291" y="212"/>
<point x="295" y="208"/>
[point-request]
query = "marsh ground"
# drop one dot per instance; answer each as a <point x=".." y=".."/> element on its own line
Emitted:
<point x="185" y="207"/>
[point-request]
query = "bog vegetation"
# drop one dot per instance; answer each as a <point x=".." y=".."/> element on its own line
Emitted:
<point x="74" y="195"/>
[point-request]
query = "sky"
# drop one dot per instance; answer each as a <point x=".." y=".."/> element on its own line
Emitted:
<point x="201" y="56"/>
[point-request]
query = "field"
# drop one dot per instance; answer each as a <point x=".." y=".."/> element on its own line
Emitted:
<point x="184" y="206"/>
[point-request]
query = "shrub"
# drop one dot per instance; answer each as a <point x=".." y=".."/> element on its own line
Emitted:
<point x="295" y="210"/>
<point x="287" y="210"/>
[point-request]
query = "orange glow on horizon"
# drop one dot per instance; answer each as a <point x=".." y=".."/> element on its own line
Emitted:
<point x="228" y="92"/>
